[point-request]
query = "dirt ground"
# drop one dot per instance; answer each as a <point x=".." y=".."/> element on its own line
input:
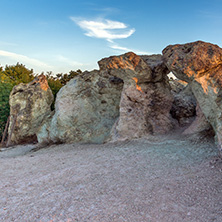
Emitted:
<point x="155" y="180"/>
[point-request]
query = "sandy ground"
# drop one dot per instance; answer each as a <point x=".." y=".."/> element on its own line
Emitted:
<point x="158" y="181"/>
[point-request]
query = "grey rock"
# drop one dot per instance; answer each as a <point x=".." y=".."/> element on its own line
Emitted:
<point x="85" y="109"/>
<point x="29" y="105"/>
<point x="200" y="64"/>
<point x="146" y="99"/>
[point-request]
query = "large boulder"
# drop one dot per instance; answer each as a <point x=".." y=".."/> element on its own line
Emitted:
<point x="29" y="105"/>
<point x="200" y="64"/>
<point x="85" y="110"/>
<point x="146" y="99"/>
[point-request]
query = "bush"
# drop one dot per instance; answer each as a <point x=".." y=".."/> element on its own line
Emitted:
<point x="9" y="77"/>
<point x="5" y="89"/>
<point x="14" y="74"/>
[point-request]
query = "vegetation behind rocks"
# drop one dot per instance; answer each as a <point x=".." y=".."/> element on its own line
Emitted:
<point x="12" y="75"/>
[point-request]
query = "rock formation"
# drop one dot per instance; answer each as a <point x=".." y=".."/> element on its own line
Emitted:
<point x="200" y="125"/>
<point x="146" y="99"/>
<point x="29" y="105"/>
<point x="200" y="64"/>
<point x="129" y="97"/>
<point x="85" y="110"/>
<point x="184" y="104"/>
<point x="177" y="85"/>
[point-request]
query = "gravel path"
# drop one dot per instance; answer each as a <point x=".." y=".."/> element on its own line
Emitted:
<point x="151" y="181"/>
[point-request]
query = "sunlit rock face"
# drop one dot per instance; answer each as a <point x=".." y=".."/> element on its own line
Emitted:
<point x="29" y="105"/>
<point x="85" y="109"/>
<point x="200" y="64"/>
<point x="146" y="99"/>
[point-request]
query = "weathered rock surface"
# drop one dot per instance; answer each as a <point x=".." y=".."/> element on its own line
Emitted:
<point x="146" y="99"/>
<point x="85" y="109"/>
<point x="184" y="104"/>
<point x="200" y="64"/>
<point x="177" y="85"/>
<point x="129" y="97"/>
<point x="187" y="111"/>
<point x="29" y="105"/>
<point x="43" y="132"/>
<point x="194" y="60"/>
<point x="200" y="125"/>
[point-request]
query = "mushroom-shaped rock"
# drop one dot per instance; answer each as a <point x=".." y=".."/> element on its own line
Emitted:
<point x="146" y="99"/>
<point x="200" y="64"/>
<point x="126" y="67"/>
<point x="193" y="60"/>
<point x="29" y="105"/>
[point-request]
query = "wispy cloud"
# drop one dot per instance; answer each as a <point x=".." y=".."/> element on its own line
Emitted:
<point x="104" y="29"/>
<point x="24" y="59"/>
<point x="108" y="30"/>
<point x="125" y="49"/>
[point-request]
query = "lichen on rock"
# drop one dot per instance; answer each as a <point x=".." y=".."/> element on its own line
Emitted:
<point x="146" y="99"/>
<point x="85" y="109"/>
<point x="29" y="105"/>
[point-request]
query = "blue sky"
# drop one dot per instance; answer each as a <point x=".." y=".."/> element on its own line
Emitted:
<point x="64" y="35"/>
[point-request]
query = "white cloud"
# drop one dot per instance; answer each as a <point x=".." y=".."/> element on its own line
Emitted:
<point x="104" y="29"/>
<point x="108" y="30"/>
<point x="24" y="59"/>
<point x="115" y="46"/>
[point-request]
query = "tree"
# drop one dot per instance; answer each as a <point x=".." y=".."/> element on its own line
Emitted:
<point x="12" y="75"/>
<point x="6" y="86"/>
<point x="9" y="77"/>
<point x="19" y="73"/>
<point x="64" y="78"/>
<point x="54" y="83"/>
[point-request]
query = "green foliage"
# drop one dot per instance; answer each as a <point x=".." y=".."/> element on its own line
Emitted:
<point x="9" y="77"/>
<point x="54" y="83"/>
<point x="19" y="73"/>
<point x="5" y="89"/>
<point x="64" y="78"/>
<point x="12" y="75"/>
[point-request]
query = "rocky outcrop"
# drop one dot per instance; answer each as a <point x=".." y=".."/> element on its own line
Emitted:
<point x="89" y="105"/>
<point x="146" y="99"/>
<point x="29" y="105"/>
<point x="129" y="97"/>
<point x="200" y="125"/>
<point x="183" y="109"/>
<point x="85" y="110"/>
<point x="177" y="85"/>
<point x="200" y="64"/>
<point x="184" y="104"/>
